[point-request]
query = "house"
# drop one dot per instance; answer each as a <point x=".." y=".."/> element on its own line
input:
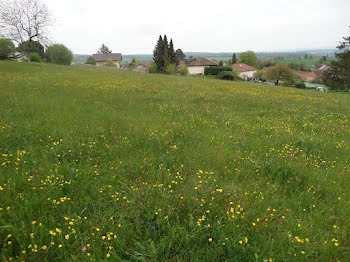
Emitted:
<point x="245" y="71"/>
<point x="141" y="68"/>
<point x="320" y="71"/>
<point x="197" y="67"/>
<point x="181" y="64"/>
<point x="18" y="56"/>
<point x="307" y="76"/>
<point x="101" y="59"/>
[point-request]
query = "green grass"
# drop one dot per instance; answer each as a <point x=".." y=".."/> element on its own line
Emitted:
<point x="144" y="167"/>
<point x="308" y="62"/>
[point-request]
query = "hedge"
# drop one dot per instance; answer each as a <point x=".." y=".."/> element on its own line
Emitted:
<point x="214" y="70"/>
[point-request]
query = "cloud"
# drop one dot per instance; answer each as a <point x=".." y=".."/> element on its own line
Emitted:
<point x="134" y="26"/>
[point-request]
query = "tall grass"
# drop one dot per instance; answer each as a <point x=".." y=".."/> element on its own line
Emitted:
<point x="103" y="165"/>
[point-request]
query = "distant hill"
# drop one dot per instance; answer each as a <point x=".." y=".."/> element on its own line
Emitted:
<point x="224" y="56"/>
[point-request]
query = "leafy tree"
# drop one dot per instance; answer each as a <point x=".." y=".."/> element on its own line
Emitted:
<point x="191" y="59"/>
<point x="104" y="50"/>
<point x="280" y="72"/>
<point x="110" y="63"/>
<point x="25" y="21"/>
<point x="266" y="63"/>
<point x="249" y="58"/>
<point x="294" y="66"/>
<point x="90" y="61"/>
<point x="32" y="47"/>
<point x="35" y="57"/>
<point x="6" y="48"/>
<point x="59" y="54"/>
<point x="260" y="74"/>
<point x="180" y="55"/>
<point x="338" y="76"/>
<point x="234" y="58"/>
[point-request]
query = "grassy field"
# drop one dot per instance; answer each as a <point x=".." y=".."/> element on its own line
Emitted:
<point x="104" y="165"/>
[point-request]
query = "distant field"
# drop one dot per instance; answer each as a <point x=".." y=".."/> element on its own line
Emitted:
<point x="308" y="62"/>
<point x="107" y="165"/>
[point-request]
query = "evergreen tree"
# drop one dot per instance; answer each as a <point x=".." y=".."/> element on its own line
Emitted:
<point x="221" y="63"/>
<point x="166" y="58"/>
<point x="172" y="56"/>
<point x="158" y="54"/>
<point x="234" y="58"/>
<point x="338" y="76"/>
<point x="104" y="50"/>
<point x="164" y="55"/>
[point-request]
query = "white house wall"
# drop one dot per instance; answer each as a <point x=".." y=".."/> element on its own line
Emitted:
<point x="246" y="75"/>
<point x="196" y="70"/>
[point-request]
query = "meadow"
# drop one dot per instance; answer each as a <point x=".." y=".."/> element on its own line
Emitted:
<point x="105" y="165"/>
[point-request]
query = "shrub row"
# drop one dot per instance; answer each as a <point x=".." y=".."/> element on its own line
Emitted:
<point x="214" y="70"/>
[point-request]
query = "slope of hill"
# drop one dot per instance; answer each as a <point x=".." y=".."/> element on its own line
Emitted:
<point x="99" y="164"/>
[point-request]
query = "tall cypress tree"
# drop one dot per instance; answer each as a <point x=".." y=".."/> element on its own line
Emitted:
<point x="165" y="53"/>
<point x="172" y="55"/>
<point x="234" y="58"/>
<point x="158" y="53"/>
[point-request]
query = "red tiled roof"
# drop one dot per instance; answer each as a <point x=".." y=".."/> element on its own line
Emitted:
<point x="203" y="62"/>
<point x="306" y="75"/>
<point x="243" y="67"/>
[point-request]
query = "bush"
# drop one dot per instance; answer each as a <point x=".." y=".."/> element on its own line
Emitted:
<point x="35" y="57"/>
<point x="170" y="69"/>
<point x="59" y="54"/>
<point x="110" y="63"/>
<point x="183" y="71"/>
<point x="226" y="75"/>
<point x="153" y="68"/>
<point x="6" y="48"/>
<point x="90" y="61"/>
<point x="300" y="85"/>
<point x="260" y="74"/>
<point x="215" y="70"/>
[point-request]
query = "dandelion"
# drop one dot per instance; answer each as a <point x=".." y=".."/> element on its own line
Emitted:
<point x="44" y="247"/>
<point x="210" y="240"/>
<point x="66" y="237"/>
<point x="60" y="245"/>
<point x="108" y="255"/>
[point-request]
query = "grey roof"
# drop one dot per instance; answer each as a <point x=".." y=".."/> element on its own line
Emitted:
<point x="105" y="57"/>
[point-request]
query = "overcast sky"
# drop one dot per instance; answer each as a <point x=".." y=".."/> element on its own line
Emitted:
<point x="133" y="26"/>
